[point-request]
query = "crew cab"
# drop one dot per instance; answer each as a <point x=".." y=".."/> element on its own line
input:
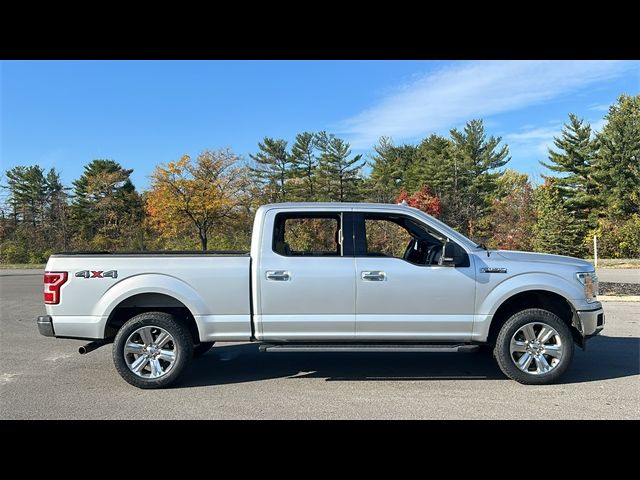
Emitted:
<point x="327" y="277"/>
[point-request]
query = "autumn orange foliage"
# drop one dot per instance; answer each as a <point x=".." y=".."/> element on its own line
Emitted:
<point x="424" y="199"/>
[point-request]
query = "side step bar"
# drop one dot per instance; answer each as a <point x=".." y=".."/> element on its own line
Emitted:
<point x="364" y="347"/>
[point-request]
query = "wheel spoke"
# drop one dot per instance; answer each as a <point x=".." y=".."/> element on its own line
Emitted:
<point x="162" y="339"/>
<point x="156" y="368"/>
<point x="518" y="346"/>
<point x="145" y="335"/>
<point x="139" y="364"/>
<point x="541" y="364"/>
<point x="545" y="334"/>
<point x="167" y="355"/>
<point x="553" y="350"/>
<point x="132" y="347"/>
<point x="528" y="332"/>
<point x="525" y="361"/>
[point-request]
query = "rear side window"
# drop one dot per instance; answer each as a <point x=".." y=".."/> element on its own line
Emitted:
<point x="310" y="235"/>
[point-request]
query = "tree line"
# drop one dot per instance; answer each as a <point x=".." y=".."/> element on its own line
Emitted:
<point x="208" y="202"/>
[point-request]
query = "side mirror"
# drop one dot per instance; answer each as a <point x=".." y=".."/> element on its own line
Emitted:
<point x="453" y="255"/>
<point x="449" y="252"/>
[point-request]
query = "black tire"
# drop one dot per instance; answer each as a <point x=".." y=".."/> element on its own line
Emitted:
<point x="183" y="345"/>
<point x="202" y="348"/>
<point x="502" y="351"/>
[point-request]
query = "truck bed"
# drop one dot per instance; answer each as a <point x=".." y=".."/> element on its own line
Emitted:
<point x="213" y="286"/>
<point x="164" y="253"/>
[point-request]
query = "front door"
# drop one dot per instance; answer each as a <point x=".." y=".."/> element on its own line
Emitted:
<point x="405" y="292"/>
<point x="307" y="279"/>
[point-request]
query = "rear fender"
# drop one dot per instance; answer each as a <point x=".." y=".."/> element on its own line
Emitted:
<point x="150" y="283"/>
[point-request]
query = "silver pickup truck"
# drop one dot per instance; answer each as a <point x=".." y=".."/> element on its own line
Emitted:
<point x="329" y="277"/>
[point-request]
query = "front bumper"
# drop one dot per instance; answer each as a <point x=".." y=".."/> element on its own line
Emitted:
<point x="45" y="326"/>
<point x="590" y="322"/>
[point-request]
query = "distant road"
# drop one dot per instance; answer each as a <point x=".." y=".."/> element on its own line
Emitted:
<point x="619" y="275"/>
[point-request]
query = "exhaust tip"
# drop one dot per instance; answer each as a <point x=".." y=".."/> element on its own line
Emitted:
<point x="91" y="346"/>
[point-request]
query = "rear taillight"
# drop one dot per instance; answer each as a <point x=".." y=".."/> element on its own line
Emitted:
<point x="52" y="283"/>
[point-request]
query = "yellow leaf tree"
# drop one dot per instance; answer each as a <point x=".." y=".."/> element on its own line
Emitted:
<point x="198" y="197"/>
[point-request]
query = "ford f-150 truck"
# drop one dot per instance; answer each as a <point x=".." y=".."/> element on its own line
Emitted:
<point x="327" y="277"/>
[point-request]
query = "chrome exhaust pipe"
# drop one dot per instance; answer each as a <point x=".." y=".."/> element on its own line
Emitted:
<point x="91" y="346"/>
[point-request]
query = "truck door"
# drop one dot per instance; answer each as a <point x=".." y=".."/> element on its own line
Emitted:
<point x="405" y="291"/>
<point x="306" y="277"/>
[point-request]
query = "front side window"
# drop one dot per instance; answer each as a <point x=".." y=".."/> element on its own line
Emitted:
<point x="312" y="235"/>
<point x="400" y="237"/>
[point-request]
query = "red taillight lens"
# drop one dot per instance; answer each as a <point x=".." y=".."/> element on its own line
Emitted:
<point x="52" y="283"/>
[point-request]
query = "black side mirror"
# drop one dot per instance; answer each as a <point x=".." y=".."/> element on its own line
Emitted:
<point x="453" y="255"/>
<point x="448" y="253"/>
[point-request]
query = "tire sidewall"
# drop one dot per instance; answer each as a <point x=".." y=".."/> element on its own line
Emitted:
<point x="512" y="325"/>
<point x="182" y="340"/>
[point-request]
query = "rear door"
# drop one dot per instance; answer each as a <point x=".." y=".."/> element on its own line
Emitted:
<point x="306" y="277"/>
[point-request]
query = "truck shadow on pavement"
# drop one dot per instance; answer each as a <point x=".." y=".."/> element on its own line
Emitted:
<point x="606" y="358"/>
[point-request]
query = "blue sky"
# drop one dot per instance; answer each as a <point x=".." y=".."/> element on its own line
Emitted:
<point x="63" y="114"/>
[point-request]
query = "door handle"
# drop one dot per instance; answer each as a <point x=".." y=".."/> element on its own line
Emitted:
<point x="374" y="276"/>
<point x="278" y="275"/>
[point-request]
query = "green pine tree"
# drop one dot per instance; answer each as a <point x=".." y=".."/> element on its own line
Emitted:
<point x="433" y="167"/>
<point x="304" y="166"/>
<point x="574" y="161"/>
<point x="617" y="165"/>
<point x="476" y="161"/>
<point x="272" y="169"/>
<point x="386" y="172"/>
<point x="27" y="193"/>
<point x="105" y="205"/>
<point x="556" y="230"/>
<point x="338" y="173"/>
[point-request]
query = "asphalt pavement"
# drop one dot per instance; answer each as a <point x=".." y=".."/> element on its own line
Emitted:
<point x="46" y="378"/>
<point x="619" y="275"/>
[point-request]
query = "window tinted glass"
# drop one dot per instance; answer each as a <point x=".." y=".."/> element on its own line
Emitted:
<point x="313" y="235"/>
<point x="399" y="237"/>
<point x="386" y="238"/>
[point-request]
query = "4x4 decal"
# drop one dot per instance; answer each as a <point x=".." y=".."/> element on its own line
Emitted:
<point x="97" y="274"/>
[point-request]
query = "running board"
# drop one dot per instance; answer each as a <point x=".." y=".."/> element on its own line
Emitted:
<point x="363" y="347"/>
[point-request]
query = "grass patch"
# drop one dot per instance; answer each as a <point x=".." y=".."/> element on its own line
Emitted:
<point x="617" y="262"/>
<point x="21" y="266"/>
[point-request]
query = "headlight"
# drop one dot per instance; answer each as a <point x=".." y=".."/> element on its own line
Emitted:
<point x="590" y="282"/>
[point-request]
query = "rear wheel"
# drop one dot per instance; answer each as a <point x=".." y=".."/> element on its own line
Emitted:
<point x="152" y="350"/>
<point x="534" y="347"/>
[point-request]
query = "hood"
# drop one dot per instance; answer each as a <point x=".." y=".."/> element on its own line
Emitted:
<point x="515" y="256"/>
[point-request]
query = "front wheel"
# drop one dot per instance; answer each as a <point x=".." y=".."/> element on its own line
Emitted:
<point x="534" y="347"/>
<point x="152" y="349"/>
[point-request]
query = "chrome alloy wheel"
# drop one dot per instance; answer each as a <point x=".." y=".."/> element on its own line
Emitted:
<point x="150" y="352"/>
<point x="536" y="348"/>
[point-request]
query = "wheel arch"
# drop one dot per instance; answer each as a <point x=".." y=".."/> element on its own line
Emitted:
<point x="149" y="292"/>
<point x="536" y="298"/>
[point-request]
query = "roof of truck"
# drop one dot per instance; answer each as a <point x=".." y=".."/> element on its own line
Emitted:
<point x="331" y="204"/>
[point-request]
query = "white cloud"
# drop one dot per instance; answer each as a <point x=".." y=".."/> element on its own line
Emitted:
<point x="535" y="141"/>
<point x="599" y="107"/>
<point x="465" y="90"/>
<point x="529" y="133"/>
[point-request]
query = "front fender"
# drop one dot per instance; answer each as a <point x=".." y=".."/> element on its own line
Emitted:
<point x="149" y="283"/>
<point x="511" y="286"/>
